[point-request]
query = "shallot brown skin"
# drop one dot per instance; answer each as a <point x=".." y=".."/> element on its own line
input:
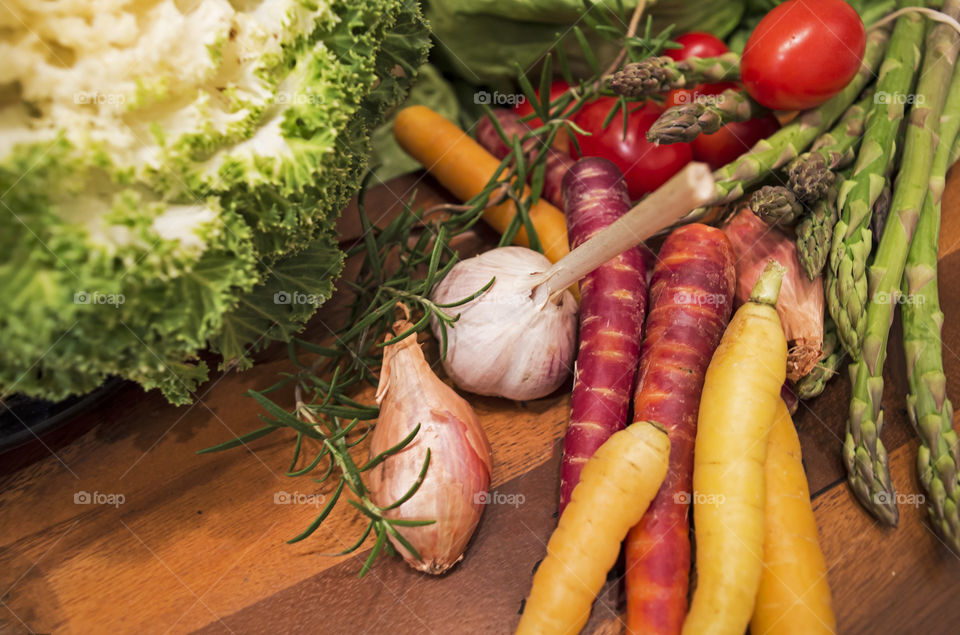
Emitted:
<point x="454" y="490"/>
<point x="691" y="298"/>
<point x="613" y="298"/>
<point x="801" y="301"/>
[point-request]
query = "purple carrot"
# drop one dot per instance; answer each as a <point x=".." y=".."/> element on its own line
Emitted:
<point x="613" y="299"/>
<point x="691" y="298"/>
<point x="557" y="162"/>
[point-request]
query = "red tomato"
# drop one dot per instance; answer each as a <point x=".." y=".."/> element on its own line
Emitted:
<point x="682" y="96"/>
<point x="645" y="166"/>
<point x="803" y="53"/>
<point x="524" y="108"/>
<point x="726" y="144"/>
<point x="697" y="44"/>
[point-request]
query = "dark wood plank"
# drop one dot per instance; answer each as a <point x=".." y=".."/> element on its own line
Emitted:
<point x="883" y="580"/>
<point x="901" y="580"/>
<point x="486" y="588"/>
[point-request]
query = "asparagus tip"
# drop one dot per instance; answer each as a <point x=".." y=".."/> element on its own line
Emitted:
<point x="775" y="205"/>
<point x="809" y="177"/>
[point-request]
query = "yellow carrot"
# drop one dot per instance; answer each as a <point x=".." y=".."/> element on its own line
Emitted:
<point x="464" y="167"/>
<point x="616" y="486"/>
<point x="794" y="597"/>
<point x="739" y="400"/>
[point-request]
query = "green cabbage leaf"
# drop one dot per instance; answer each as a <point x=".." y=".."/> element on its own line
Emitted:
<point x="170" y="176"/>
<point x="484" y="41"/>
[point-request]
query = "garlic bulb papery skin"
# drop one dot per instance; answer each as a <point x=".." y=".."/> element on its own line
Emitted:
<point x="506" y="344"/>
<point x="453" y="493"/>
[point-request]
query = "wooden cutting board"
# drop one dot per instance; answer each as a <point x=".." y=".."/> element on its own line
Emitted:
<point x="198" y="542"/>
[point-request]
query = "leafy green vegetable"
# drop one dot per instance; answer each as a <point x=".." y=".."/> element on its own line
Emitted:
<point x="431" y="90"/>
<point x="484" y="41"/>
<point x="173" y="184"/>
<point x="719" y="17"/>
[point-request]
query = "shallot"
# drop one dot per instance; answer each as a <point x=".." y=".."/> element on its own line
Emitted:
<point x="449" y="452"/>
<point x="800" y="305"/>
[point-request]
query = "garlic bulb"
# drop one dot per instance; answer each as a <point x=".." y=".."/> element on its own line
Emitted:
<point x="505" y="343"/>
<point x="453" y="492"/>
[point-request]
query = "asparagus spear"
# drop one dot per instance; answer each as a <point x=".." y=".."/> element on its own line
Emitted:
<point x="863" y="452"/>
<point x="658" y="74"/>
<point x="931" y="412"/>
<point x="815" y="232"/>
<point x="775" y="205"/>
<point x="846" y="282"/>
<point x="704" y="115"/>
<point x="814" y="382"/>
<point x="811" y="174"/>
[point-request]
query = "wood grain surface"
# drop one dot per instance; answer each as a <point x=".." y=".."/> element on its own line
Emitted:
<point x="197" y="543"/>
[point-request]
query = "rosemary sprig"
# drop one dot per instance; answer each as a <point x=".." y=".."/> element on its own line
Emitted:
<point x="402" y="262"/>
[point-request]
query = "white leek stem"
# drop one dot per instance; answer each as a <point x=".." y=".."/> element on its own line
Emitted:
<point x="688" y="189"/>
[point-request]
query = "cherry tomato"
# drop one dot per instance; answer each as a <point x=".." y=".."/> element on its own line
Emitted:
<point x="645" y="166"/>
<point x="682" y="96"/>
<point x="524" y="108"/>
<point x="802" y="53"/>
<point x="697" y="44"/>
<point x="726" y="144"/>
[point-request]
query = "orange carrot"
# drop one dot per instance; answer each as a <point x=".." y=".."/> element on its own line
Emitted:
<point x="464" y="167"/>
<point x="691" y="297"/>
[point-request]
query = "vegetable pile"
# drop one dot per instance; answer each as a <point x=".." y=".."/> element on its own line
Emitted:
<point x="766" y="280"/>
<point x="171" y="173"/>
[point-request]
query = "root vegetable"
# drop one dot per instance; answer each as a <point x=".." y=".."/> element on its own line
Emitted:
<point x="794" y="596"/>
<point x="449" y="441"/>
<point x="737" y="407"/>
<point x="615" y="488"/>
<point x="465" y="168"/>
<point x="503" y="344"/>
<point x="613" y="299"/>
<point x="800" y="305"/>
<point x="691" y="297"/>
